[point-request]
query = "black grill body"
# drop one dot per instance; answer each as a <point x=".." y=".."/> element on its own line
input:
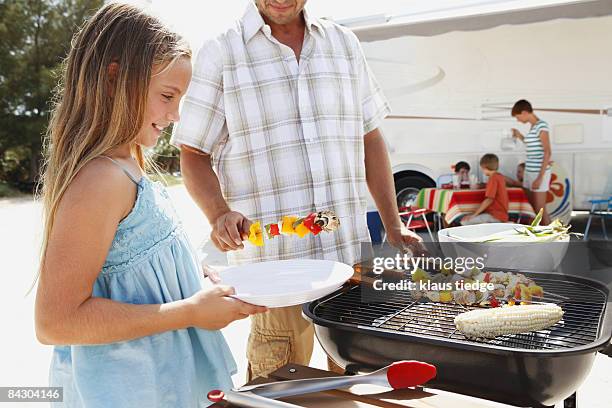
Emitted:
<point x="534" y="369"/>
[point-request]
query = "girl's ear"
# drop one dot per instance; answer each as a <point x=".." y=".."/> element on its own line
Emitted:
<point x="112" y="70"/>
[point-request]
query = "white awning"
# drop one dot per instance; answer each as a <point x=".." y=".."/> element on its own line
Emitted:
<point x="472" y="15"/>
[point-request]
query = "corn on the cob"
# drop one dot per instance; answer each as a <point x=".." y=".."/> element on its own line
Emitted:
<point x="492" y="322"/>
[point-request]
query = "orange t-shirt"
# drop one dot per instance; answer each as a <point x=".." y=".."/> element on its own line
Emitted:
<point x="496" y="190"/>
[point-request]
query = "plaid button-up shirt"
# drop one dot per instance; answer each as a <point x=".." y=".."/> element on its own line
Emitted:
<point x="286" y="137"/>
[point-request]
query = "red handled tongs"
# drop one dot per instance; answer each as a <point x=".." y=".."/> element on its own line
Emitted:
<point x="402" y="374"/>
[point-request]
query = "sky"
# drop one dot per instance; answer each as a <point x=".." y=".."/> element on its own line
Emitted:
<point x="199" y="20"/>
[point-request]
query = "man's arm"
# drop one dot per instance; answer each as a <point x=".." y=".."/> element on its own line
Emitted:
<point x="382" y="187"/>
<point x="510" y="182"/>
<point x="230" y="228"/>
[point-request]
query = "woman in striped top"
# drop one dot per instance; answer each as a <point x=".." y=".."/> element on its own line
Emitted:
<point x="537" y="166"/>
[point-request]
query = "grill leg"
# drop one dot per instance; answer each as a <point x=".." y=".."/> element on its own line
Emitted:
<point x="570" y="402"/>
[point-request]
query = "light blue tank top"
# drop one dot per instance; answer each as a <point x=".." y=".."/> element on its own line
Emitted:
<point x="150" y="262"/>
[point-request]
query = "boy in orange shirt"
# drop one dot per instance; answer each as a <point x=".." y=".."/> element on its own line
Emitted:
<point x="495" y="206"/>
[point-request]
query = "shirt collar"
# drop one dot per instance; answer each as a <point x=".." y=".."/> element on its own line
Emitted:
<point x="312" y="21"/>
<point x="252" y="22"/>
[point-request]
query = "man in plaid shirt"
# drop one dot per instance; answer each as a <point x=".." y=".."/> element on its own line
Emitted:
<point x="281" y="118"/>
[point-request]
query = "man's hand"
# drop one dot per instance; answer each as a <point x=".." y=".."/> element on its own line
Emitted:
<point x="229" y="230"/>
<point x="405" y="239"/>
<point x="536" y="183"/>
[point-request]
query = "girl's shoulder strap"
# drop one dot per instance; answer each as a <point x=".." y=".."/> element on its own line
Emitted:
<point x="125" y="170"/>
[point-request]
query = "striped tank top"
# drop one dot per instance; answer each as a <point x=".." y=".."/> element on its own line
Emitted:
<point x="533" y="144"/>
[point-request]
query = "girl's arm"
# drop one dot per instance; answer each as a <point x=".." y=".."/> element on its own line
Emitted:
<point x="84" y="228"/>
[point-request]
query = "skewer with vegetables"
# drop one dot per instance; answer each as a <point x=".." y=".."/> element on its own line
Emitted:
<point x="314" y="223"/>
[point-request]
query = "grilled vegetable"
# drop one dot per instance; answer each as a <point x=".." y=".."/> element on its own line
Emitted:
<point x="301" y="230"/>
<point x="420" y="275"/>
<point x="272" y="230"/>
<point x="287" y="224"/>
<point x="327" y="220"/>
<point x="489" y="323"/>
<point x="255" y="234"/>
<point x="506" y="286"/>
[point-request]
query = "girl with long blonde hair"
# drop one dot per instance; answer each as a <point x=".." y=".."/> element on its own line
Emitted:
<point x="118" y="293"/>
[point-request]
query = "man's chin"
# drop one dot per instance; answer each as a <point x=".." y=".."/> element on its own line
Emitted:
<point x="283" y="19"/>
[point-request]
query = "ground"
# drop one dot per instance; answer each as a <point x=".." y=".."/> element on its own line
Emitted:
<point x="25" y="362"/>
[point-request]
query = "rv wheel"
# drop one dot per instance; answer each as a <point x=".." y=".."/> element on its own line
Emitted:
<point x="407" y="186"/>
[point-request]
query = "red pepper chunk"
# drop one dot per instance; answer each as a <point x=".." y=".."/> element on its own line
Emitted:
<point x="487" y="277"/>
<point x="272" y="230"/>
<point x="494" y="302"/>
<point x="517" y="292"/>
<point x="309" y="222"/>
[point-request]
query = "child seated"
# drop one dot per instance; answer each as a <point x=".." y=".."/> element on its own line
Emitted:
<point x="462" y="169"/>
<point x="495" y="206"/>
<point x="520" y="173"/>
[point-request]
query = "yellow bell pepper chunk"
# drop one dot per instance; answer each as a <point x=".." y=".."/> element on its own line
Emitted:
<point x="419" y="275"/>
<point x="301" y="230"/>
<point x="535" y="290"/>
<point x="256" y="234"/>
<point x="287" y="227"/>
<point x="446" y="296"/>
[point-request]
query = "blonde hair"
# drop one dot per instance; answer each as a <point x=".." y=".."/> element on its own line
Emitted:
<point x="94" y="113"/>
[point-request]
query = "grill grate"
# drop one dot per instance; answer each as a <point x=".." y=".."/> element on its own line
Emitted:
<point x="400" y="313"/>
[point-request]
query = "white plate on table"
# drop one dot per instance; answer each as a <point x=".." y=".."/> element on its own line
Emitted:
<point x="285" y="283"/>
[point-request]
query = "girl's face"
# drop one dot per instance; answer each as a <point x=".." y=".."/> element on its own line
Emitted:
<point x="167" y="87"/>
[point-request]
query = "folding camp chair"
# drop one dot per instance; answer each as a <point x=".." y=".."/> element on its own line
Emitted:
<point x="599" y="208"/>
<point x="408" y="215"/>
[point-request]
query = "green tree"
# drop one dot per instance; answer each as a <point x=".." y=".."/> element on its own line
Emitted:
<point x="165" y="155"/>
<point x="35" y="37"/>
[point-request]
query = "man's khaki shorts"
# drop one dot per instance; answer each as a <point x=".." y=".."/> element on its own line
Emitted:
<point x="278" y="337"/>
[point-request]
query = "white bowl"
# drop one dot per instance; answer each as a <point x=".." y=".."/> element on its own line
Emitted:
<point x="531" y="256"/>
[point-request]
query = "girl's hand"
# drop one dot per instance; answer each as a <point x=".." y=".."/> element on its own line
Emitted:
<point x="213" y="309"/>
<point x="516" y="134"/>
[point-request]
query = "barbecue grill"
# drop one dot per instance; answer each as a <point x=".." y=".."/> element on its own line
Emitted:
<point x="533" y="369"/>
